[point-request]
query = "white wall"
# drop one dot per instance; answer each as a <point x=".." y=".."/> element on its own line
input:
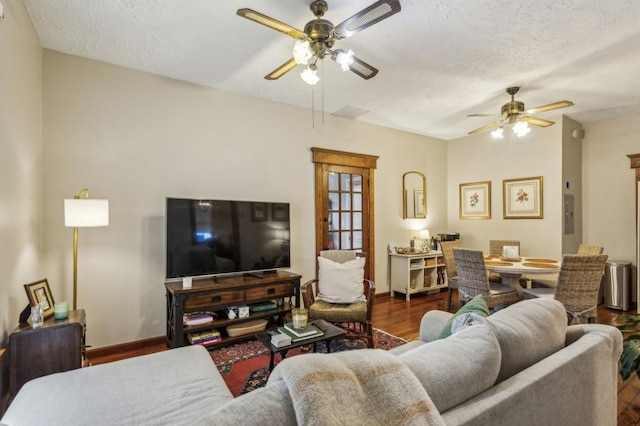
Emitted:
<point x="609" y="186"/>
<point x="135" y="138"/>
<point x="20" y="162"/>
<point x="479" y="158"/>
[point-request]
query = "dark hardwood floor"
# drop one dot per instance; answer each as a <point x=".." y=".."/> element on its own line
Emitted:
<point x="401" y="318"/>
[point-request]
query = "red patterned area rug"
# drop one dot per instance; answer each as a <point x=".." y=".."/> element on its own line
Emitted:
<point x="245" y="366"/>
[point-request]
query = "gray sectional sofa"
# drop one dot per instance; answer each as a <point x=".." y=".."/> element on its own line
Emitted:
<point x="522" y="365"/>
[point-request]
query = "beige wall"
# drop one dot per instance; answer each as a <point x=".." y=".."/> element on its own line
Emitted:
<point x="479" y="158"/>
<point x="20" y="162"/>
<point x="609" y="186"/>
<point x="135" y="138"/>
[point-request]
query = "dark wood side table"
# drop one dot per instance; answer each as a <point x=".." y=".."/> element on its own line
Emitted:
<point x="55" y="347"/>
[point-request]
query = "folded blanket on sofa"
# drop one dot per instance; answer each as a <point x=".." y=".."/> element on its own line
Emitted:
<point x="369" y="386"/>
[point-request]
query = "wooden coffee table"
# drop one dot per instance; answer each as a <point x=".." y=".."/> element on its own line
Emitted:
<point x="330" y="332"/>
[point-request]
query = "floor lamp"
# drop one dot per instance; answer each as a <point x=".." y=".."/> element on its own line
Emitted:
<point x="83" y="212"/>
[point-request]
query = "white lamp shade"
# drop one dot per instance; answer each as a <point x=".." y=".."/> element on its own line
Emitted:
<point x="86" y="212"/>
<point x="424" y="234"/>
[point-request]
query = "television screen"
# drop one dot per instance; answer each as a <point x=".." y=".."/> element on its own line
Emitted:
<point x="212" y="237"/>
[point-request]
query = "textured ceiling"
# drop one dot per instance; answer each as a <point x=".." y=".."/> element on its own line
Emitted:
<point x="439" y="60"/>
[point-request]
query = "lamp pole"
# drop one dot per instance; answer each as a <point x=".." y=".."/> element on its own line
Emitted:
<point x="79" y="195"/>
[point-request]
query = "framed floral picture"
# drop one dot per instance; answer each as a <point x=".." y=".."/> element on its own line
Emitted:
<point x="522" y="198"/>
<point x="475" y="200"/>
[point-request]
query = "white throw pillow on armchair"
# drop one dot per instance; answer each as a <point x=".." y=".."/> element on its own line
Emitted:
<point x="340" y="282"/>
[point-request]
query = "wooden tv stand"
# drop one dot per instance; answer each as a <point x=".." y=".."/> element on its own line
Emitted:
<point x="214" y="295"/>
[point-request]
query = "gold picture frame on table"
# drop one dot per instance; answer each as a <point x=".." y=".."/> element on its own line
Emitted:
<point x="475" y="200"/>
<point x="522" y="198"/>
<point x="39" y="292"/>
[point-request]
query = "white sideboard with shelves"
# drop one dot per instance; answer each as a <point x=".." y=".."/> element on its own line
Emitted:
<point x="416" y="273"/>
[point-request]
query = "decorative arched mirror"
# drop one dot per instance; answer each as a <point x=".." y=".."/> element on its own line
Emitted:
<point x="414" y="195"/>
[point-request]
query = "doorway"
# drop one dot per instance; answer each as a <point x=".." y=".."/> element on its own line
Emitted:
<point x="345" y="203"/>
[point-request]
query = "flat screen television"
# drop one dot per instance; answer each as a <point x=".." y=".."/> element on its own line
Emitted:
<point x="216" y="237"/>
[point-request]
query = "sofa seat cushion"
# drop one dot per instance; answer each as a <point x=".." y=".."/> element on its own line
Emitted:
<point x="456" y="369"/>
<point x="528" y="332"/>
<point x="334" y="312"/>
<point x="269" y="405"/>
<point x="173" y="387"/>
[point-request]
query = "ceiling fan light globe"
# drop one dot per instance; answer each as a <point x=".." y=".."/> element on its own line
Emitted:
<point x="521" y="128"/>
<point x="498" y="133"/>
<point x="310" y="76"/>
<point x="302" y="52"/>
<point x="345" y="59"/>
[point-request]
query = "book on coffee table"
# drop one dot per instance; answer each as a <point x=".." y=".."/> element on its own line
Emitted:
<point x="302" y="332"/>
<point x="295" y="338"/>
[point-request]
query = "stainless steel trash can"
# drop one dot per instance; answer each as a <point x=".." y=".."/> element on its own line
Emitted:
<point x="617" y="281"/>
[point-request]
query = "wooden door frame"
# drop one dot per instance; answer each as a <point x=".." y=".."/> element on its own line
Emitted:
<point x="321" y="157"/>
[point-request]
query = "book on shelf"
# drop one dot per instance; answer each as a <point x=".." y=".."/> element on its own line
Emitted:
<point x="197" y="318"/>
<point x="208" y="342"/>
<point x="301" y="332"/>
<point x="203" y="336"/>
<point x="263" y="307"/>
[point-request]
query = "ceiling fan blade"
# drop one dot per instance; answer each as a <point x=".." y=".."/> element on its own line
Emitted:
<point x="483" y="128"/>
<point x="362" y="69"/>
<point x="549" y="107"/>
<point x="365" y="18"/>
<point x="540" y="122"/>
<point x="484" y="115"/>
<point x="281" y="70"/>
<point x="274" y="24"/>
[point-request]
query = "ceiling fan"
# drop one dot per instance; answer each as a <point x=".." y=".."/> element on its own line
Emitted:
<point x="513" y="113"/>
<point x="319" y="36"/>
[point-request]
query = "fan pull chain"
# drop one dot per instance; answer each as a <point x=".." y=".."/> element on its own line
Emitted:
<point x="322" y="90"/>
<point x="313" y="110"/>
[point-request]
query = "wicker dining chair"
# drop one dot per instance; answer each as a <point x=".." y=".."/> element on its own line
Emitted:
<point x="578" y="286"/>
<point x="588" y="249"/>
<point x="473" y="280"/>
<point x="583" y="249"/>
<point x="450" y="267"/>
<point x="355" y="318"/>
<point x="495" y="249"/>
<point x="495" y="246"/>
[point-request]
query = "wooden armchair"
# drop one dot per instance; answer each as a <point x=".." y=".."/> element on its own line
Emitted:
<point x="354" y="317"/>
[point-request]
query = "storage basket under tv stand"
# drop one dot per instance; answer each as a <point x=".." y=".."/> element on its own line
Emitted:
<point x="216" y="294"/>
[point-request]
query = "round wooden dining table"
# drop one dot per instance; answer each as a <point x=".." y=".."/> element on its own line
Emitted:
<point x="511" y="270"/>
